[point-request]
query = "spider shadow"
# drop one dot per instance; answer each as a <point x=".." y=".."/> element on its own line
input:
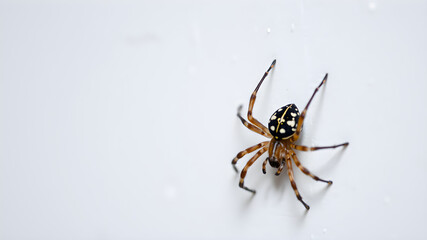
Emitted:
<point x="277" y="185"/>
<point x="281" y="186"/>
<point x="317" y="196"/>
<point x="332" y="163"/>
<point x="281" y="182"/>
<point x="248" y="196"/>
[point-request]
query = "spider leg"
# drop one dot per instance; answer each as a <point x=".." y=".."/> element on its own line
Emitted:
<point x="246" y="151"/>
<point x="245" y="169"/>
<point x="253" y="97"/>
<point x="306" y="149"/>
<point x="251" y="126"/>
<point x="292" y="180"/>
<point x="304" y="112"/>
<point x="279" y="170"/>
<point x="305" y="170"/>
<point x="263" y="165"/>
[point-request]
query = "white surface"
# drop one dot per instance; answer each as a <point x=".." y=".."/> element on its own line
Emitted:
<point x="118" y="119"/>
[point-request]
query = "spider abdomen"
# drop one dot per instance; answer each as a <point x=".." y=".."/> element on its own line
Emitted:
<point x="283" y="122"/>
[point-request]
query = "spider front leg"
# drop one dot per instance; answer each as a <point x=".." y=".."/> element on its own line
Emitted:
<point x="246" y="151"/>
<point x="292" y="180"/>
<point x="305" y="170"/>
<point x="250" y="126"/>
<point x="304" y="112"/>
<point x="263" y="165"/>
<point x="252" y="100"/>
<point x="279" y="170"/>
<point x="245" y="169"/>
<point x="306" y="149"/>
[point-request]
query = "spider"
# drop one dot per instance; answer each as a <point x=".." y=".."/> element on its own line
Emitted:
<point x="284" y="128"/>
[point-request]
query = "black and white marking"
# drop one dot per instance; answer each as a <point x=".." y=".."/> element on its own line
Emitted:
<point x="283" y="123"/>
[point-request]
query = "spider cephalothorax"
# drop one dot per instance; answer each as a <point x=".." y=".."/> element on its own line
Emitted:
<point x="284" y="128"/>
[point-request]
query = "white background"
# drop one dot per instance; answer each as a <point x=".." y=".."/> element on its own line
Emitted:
<point x="117" y="118"/>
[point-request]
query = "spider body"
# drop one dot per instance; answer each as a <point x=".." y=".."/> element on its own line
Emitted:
<point x="283" y="123"/>
<point x="284" y="129"/>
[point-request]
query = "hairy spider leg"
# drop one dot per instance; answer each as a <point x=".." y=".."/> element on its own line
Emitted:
<point x="263" y="165"/>
<point x="306" y="149"/>
<point x="246" y="151"/>
<point x="305" y="170"/>
<point x="251" y="126"/>
<point x="282" y="156"/>
<point x="304" y="112"/>
<point x="292" y="180"/>
<point x="253" y="97"/>
<point x="279" y="170"/>
<point x="245" y="169"/>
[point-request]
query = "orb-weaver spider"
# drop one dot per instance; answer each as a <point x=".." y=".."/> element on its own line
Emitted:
<point x="284" y="128"/>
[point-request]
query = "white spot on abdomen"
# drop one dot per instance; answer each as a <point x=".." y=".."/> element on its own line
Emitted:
<point x="282" y="130"/>
<point x="272" y="128"/>
<point x="273" y="117"/>
<point x="291" y="123"/>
